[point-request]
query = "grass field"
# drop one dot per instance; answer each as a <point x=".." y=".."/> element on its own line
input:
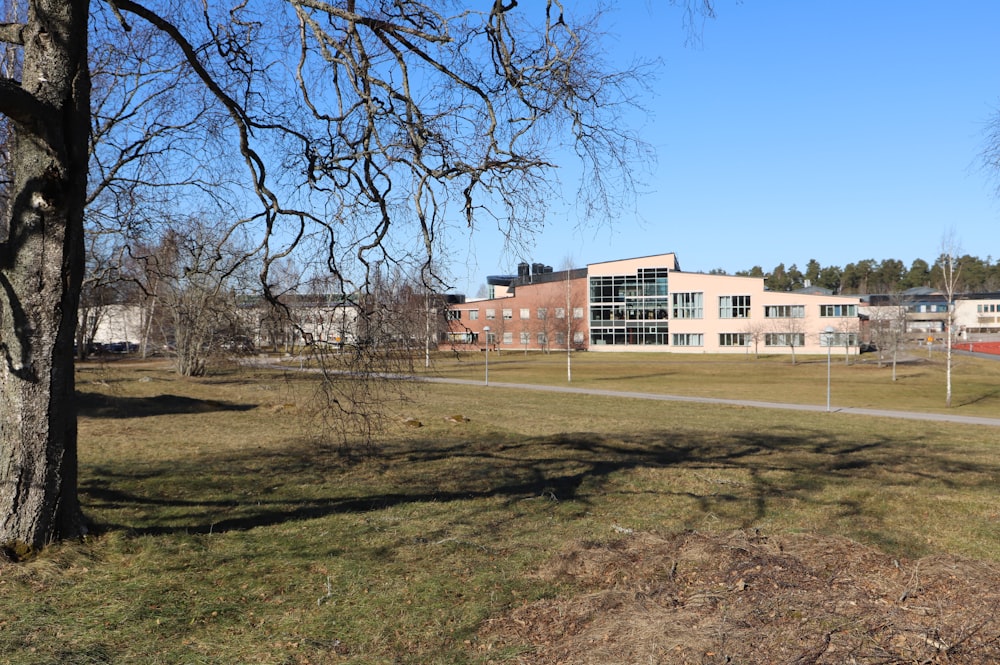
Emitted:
<point x="229" y="532"/>
<point x="862" y="383"/>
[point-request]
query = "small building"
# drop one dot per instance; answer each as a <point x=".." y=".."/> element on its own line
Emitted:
<point x="923" y="312"/>
<point x="977" y="317"/>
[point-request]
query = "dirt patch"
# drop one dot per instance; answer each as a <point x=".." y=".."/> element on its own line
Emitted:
<point x="747" y="598"/>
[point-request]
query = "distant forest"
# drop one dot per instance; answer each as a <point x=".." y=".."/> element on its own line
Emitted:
<point x="871" y="276"/>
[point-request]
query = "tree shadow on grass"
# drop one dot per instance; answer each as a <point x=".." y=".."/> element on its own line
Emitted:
<point x="982" y="397"/>
<point x="97" y="405"/>
<point x="746" y="475"/>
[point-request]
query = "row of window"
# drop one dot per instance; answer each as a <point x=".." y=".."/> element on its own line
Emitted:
<point x="542" y="339"/>
<point x="689" y="305"/>
<point x="646" y="283"/>
<point x="928" y="308"/>
<point x="508" y="314"/>
<point x="988" y="308"/>
<point x="770" y="339"/>
<point x="653" y="310"/>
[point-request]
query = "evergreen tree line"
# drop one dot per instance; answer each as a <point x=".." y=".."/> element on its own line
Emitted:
<point x="879" y="277"/>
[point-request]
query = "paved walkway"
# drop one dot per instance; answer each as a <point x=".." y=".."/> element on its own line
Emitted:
<point x="881" y="413"/>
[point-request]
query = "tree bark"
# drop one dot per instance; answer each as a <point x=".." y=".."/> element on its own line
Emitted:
<point x="41" y="270"/>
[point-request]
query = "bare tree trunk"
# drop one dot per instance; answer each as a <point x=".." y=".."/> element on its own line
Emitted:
<point x="951" y="271"/>
<point x="41" y="271"/>
<point x="950" y="323"/>
<point x="147" y="325"/>
<point x="894" y="355"/>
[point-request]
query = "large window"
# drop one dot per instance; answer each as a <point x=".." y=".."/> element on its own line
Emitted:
<point x="508" y="338"/>
<point x="629" y="309"/>
<point x="734" y="339"/>
<point x="508" y="314"/>
<point x="687" y="305"/>
<point x="491" y="314"/>
<point x="784" y="311"/>
<point x="542" y="312"/>
<point x="838" y="310"/>
<point x="689" y="339"/>
<point x="525" y="313"/>
<point x="785" y="339"/>
<point x="453" y="315"/>
<point x="525" y="338"/>
<point x="473" y="314"/>
<point x="734" y="307"/>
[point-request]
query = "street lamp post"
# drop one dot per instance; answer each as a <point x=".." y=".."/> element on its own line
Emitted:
<point x="486" y="332"/>
<point x="828" y="331"/>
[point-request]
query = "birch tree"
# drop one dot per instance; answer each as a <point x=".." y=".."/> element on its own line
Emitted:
<point x="950" y="271"/>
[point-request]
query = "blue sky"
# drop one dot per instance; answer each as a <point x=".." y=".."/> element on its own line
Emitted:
<point x="828" y="129"/>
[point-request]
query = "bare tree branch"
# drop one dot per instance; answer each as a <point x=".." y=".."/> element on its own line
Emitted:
<point x="12" y="33"/>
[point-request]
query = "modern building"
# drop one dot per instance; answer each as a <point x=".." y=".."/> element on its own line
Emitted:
<point x="650" y="304"/>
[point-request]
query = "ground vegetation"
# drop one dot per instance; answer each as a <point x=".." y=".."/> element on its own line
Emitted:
<point x="502" y="525"/>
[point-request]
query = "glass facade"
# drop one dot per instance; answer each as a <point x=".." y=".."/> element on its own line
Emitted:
<point x="630" y="309"/>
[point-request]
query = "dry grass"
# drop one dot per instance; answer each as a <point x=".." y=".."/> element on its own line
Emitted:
<point x="230" y="533"/>
<point x="919" y="385"/>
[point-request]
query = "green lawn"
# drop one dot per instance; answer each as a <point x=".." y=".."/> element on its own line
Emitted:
<point x="230" y="532"/>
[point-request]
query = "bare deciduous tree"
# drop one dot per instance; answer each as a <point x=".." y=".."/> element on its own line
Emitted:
<point x="756" y="332"/>
<point x="847" y="335"/>
<point x="950" y="270"/>
<point x="46" y="104"/>
<point x="351" y="126"/>
<point x="887" y="324"/>
<point x="788" y="331"/>
<point x="194" y="276"/>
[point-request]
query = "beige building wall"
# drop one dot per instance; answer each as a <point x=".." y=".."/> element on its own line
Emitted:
<point x="115" y="323"/>
<point x="632" y="266"/>
<point x="977" y="319"/>
<point x="739" y="314"/>
<point x="613" y="309"/>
